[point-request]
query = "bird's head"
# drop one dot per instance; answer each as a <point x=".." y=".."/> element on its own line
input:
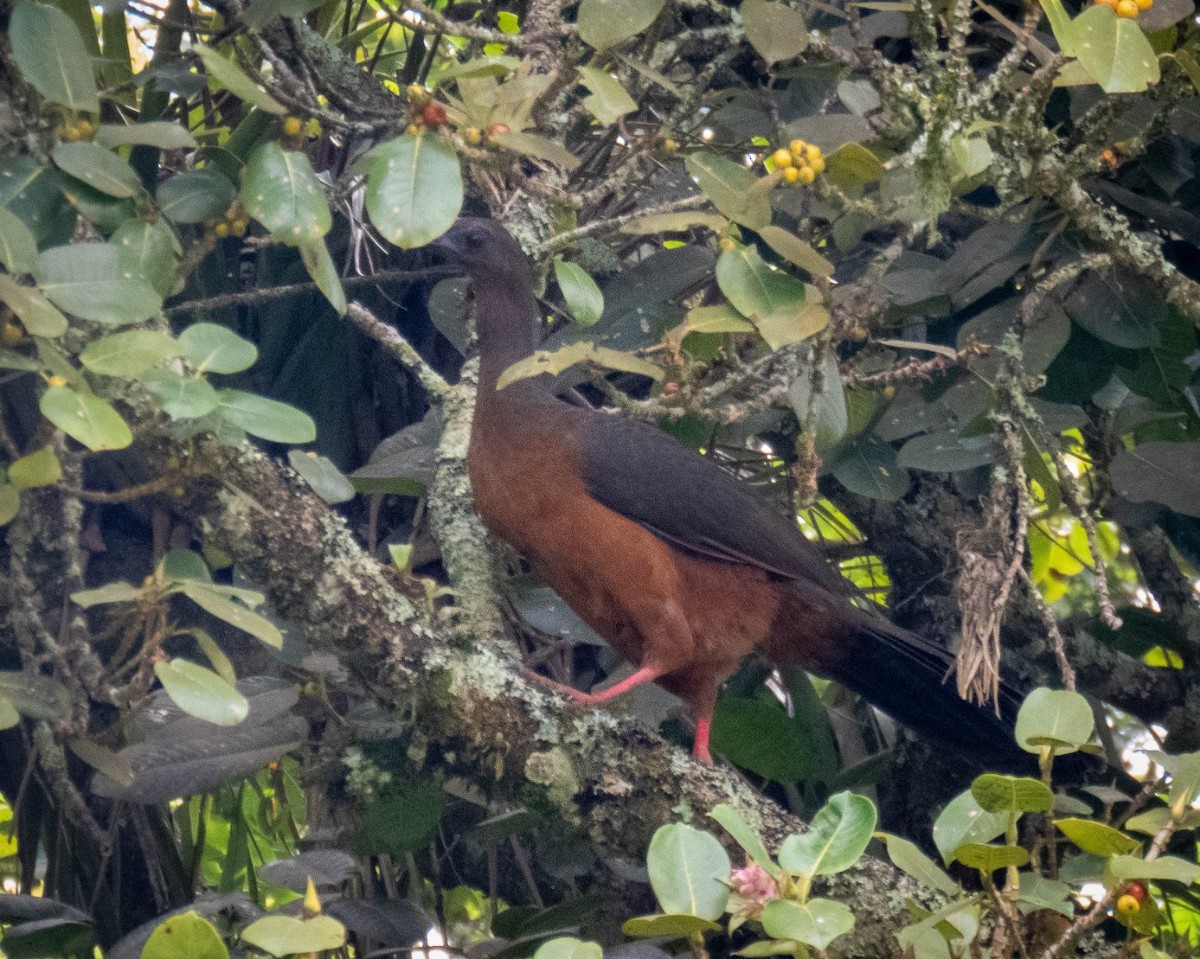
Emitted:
<point x="484" y="248"/>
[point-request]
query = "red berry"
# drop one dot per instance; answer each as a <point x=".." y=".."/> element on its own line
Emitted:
<point x="496" y="128"/>
<point x="1137" y="890"/>
<point x="434" y="115"/>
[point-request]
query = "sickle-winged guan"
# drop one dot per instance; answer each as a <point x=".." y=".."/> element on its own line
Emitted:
<point x="671" y="559"/>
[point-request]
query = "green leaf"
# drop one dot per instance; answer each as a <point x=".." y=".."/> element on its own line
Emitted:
<point x="1150" y="821"/>
<point x="795" y="250"/>
<point x="836" y="838"/>
<point x="1056" y="718"/>
<point x="99" y="168"/>
<point x="214" y="600"/>
<point x="85" y="418"/>
<point x="729" y="187"/>
<point x="163" y="134"/>
<point x="194" y="196"/>
<point x="9" y="717"/>
<point x="185" y="564"/>
<point x="609" y="100"/>
<point x="111" y="593"/>
<point x="1012" y="795"/>
<point x="772" y="299"/>
<point x="965" y="821"/>
<point x="18" y="248"/>
<point x="1159" y="473"/>
<point x="324" y="273"/>
<point x="580" y="292"/>
<point x="1060" y="25"/>
<point x="128" y="353"/>
<point x="667" y="926"/>
<point x="86" y="279"/>
<point x="325" y="479"/>
<point x="852" y="167"/>
<point x="1096" y="837"/>
<point x="1114" y="50"/>
<point x="906" y="857"/>
<point x="828" y="406"/>
<point x="281" y="191"/>
<point x="1170" y="868"/>
<point x="815" y="923"/>
<point x="985" y="858"/>
<point x="35" y="695"/>
<point x="675" y="222"/>
<point x="186" y="936"/>
<point x="567" y="947"/>
<point x="47" y="47"/>
<point x="231" y="76"/>
<point x="722" y="318"/>
<point x="267" y="419"/>
<point x="10" y="503"/>
<point x="212" y="348"/>
<point x="215" y="655"/>
<point x="180" y="397"/>
<point x="148" y="251"/>
<point x="867" y="466"/>
<point x="529" y="144"/>
<point x="39" y="468"/>
<point x="776" y="31"/>
<point x="38" y="315"/>
<point x="582" y="351"/>
<point x="414" y="189"/>
<point x="1042" y="893"/>
<point x="688" y="871"/>
<point x="946" y="451"/>
<point x="605" y="23"/>
<point x="744" y="836"/>
<point x="287" y="935"/>
<point x="201" y="693"/>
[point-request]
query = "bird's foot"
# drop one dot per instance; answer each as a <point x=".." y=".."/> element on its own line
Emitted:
<point x="700" y="751"/>
<point x="575" y="695"/>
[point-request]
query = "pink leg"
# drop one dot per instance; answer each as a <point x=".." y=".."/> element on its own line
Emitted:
<point x="700" y="745"/>
<point x="642" y="676"/>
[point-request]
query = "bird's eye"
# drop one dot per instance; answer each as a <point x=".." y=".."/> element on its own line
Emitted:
<point x="474" y="240"/>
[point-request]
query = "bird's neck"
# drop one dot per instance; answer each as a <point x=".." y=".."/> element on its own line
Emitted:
<point x="506" y="312"/>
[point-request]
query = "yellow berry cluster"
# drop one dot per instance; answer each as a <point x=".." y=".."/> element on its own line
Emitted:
<point x="800" y="162"/>
<point x="1127" y="8"/>
<point x="234" y="223"/>
<point x="82" y="129"/>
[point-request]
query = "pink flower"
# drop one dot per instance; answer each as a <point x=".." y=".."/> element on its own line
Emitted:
<point x="752" y="886"/>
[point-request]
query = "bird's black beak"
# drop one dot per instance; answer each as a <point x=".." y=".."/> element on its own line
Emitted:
<point x="450" y="243"/>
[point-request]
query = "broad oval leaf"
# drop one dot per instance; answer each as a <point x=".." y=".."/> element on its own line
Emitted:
<point x="128" y="353"/>
<point x="201" y="693"/>
<point x="99" y="168"/>
<point x="264" y="418"/>
<point x="985" y="858"/>
<point x="609" y="100"/>
<point x="212" y="348"/>
<point x="772" y="299"/>
<point x="831" y="418"/>
<point x="194" y="196"/>
<point x="579" y="290"/>
<point x="1114" y="50"/>
<point x="815" y="923"/>
<point x="18" y="247"/>
<point x="744" y="836"/>
<point x="38" y="315"/>
<point x="729" y="187"/>
<point x="688" y="871"/>
<point x="150" y="251"/>
<point x="85" y="418"/>
<point x="776" y="31"/>
<point x="324" y="273"/>
<point x="867" y="466"/>
<point x="47" y="47"/>
<point x="837" y="837"/>
<point x="795" y="250"/>
<point x="1160" y="473"/>
<point x="39" y="468"/>
<point x="906" y="857"/>
<point x="965" y="821"/>
<point x="185" y="936"/>
<point x="215" y="600"/>
<point x="414" y="189"/>
<point x="568" y="947"/>
<point x="556" y="361"/>
<point x="180" y="397"/>
<point x="1057" y="718"/>
<point x="288" y="935"/>
<point x="156" y="133"/>
<point x="1011" y="794"/>
<point x="281" y="191"/>
<point x="35" y="695"/>
<point x="326" y="480"/>
<point x="605" y="23"/>
<point x="1164" y="867"/>
<point x="671" y="926"/>
<point x="10" y="503"/>
<point x="1096" y="837"/>
<point x="234" y="79"/>
<point x="87" y="280"/>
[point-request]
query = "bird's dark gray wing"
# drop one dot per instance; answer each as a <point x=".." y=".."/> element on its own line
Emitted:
<point x="640" y="472"/>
